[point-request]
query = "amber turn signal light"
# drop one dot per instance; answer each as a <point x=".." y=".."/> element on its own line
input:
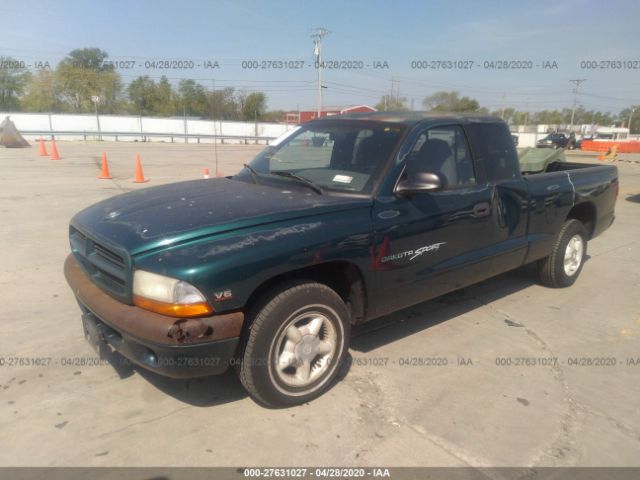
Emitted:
<point x="173" y="310"/>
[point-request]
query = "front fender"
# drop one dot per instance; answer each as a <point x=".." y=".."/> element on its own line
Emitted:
<point x="228" y="268"/>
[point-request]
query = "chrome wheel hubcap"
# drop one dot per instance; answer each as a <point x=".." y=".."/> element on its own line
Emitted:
<point x="573" y="255"/>
<point x="304" y="349"/>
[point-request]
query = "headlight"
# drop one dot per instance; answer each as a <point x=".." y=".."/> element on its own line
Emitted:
<point x="168" y="296"/>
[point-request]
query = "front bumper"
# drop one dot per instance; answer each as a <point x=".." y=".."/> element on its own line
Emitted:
<point x="174" y="347"/>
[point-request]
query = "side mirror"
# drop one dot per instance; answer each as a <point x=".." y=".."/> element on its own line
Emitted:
<point x="419" y="182"/>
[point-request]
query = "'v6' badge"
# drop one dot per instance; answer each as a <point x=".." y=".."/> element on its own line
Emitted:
<point x="223" y="295"/>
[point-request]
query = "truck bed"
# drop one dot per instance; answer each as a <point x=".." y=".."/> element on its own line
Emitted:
<point x="563" y="186"/>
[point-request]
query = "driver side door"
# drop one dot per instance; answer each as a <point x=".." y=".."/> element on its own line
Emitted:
<point x="433" y="242"/>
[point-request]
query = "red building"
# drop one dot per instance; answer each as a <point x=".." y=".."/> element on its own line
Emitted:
<point x="304" y="116"/>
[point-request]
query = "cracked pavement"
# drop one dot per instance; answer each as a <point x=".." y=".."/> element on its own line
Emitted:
<point x="504" y="373"/>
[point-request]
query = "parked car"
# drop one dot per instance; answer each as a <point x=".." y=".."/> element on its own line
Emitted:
<point x="557" y="140"/>
<point x="268" y="270"/>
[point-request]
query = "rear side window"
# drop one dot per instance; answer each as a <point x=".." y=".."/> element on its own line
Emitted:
<point x="494" y="150"/>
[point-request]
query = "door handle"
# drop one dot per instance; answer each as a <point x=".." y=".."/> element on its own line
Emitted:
<point x="481" y="209"/>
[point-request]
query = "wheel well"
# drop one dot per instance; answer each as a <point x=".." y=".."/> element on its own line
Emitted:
<point x="585" y="213"/>
<point x="343" y="277"/>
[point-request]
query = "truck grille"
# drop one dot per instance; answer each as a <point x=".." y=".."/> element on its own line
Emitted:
<point x="107" y="267"/>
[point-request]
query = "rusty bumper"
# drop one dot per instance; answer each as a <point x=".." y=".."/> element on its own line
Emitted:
<point x="170" y="346"/>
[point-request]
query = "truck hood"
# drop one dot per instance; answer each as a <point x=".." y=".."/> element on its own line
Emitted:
<point x="169" y="214"/>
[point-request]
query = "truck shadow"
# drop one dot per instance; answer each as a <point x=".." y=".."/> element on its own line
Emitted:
<point x="633" y="198"/>
<point x="216" y="390"/>
<point x="199" y="392"/>
<point x="406" y="322"/>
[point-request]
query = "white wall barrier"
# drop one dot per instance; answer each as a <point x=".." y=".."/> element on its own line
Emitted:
<point x="132" y="128"/>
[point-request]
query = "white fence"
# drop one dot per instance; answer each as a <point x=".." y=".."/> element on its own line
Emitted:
<point x="131" y="128"/>
<point x="528" y="139"/>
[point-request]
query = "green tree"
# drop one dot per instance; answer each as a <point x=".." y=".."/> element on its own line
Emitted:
<point x="632" y="112"/>
<point x="147" y="97"/>
<point x="165" y="98"/>
<point x="392" y="103"/>
<point x="254" y="106"/>
<point x="224" y="104"/>
<point x="273" y="116"/>
<point x="520" y="118"/>
<point x="444" y="101"/>
<point x="143" y="95"/>
<point x="44" y="94"/>
<point x="604" y="118"/>
<point x="192" y="98"/>
<point x="13" y="83"/>
<point x="84" y="74"/>
<point x="550" y="117"/>
<point x="511" y="116"/>
<point x="88" y="58"/>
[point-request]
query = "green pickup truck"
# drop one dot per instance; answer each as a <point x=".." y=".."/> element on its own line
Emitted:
<point x="343" y="220"/>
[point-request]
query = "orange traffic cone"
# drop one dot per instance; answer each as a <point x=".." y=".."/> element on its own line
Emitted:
<point x="105" y="175"/>
<point x="54" y="150"/>
<point x="206" y="173"/>
<point x="43" y="148"/>
<point x="139" y="175"/>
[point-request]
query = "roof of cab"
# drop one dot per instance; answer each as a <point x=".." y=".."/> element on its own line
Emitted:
<point x="413" y="118"/>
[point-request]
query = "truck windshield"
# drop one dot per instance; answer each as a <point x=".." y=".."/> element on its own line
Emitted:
<point x="342" y="156"/>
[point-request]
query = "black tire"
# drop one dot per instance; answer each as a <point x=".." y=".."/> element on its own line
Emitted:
<point x="258" y="369"/>
<point x="551" y="269"/>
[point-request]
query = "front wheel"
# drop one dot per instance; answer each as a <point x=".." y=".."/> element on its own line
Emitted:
<point x="562" y="267"/>
<point x="296" y="344"/>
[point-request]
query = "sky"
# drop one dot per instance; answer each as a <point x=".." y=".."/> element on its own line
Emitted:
<point x="397" y="36"/>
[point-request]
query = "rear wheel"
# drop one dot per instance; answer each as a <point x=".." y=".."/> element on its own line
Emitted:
<point x="295" y="345"/>
<point x="562" y="267"/>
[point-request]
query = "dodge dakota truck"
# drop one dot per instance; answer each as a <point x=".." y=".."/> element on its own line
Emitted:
<point x="342" y="220"/>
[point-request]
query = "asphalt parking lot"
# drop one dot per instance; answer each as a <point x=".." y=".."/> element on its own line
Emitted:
<point x="569" y="396"/>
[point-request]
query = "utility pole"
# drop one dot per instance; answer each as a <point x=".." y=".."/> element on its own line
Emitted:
<point x="394" y="94"/>
<point x="213" y="119"/>
<point x="184" y="120"/>
<point x="317" y="37"/>
<point x="577" y="83"/>
<point x="633" y="109"/>
<point x="96" y="100"/>
<point x="255" y="125"/>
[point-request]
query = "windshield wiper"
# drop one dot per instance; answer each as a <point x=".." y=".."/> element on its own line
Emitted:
<point x="254" y="174"/>
<point x="306" y="181"/>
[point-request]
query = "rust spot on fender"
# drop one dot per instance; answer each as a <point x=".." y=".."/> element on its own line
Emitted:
<point x="187" y="330"/>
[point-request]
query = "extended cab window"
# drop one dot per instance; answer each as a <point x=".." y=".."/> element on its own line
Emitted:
<point x="443" y="150"/>
<point x="494" y="149"/>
